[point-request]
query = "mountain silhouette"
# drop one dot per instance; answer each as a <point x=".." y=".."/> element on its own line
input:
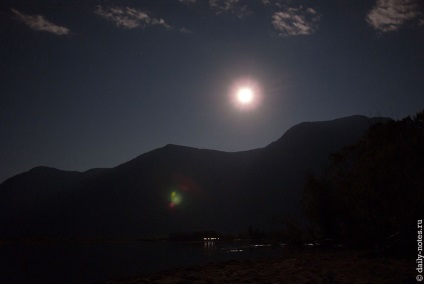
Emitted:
<point x="175" y="188"/>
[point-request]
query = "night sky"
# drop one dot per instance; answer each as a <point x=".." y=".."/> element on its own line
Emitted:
<point x="87" y="84"/>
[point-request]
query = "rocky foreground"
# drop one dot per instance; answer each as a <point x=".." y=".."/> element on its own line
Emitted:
<point x="306" y="267"/>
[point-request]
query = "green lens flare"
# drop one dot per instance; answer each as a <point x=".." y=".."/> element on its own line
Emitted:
<point x="175" y="199"/>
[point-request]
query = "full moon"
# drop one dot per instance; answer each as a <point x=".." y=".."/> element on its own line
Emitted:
<point x="245" y="95"/>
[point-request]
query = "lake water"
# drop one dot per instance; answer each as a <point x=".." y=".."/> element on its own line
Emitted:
<point x="76" y="263"/>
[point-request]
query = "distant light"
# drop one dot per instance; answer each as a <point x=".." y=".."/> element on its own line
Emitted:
<point x="210" y="239"/>
<point x="235" y="250"/>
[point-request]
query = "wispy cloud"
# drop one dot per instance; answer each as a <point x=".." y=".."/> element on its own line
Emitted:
<point x="129" y="18"/>
<point x="186" y="31"/>
<point x="391" y="15"/>
<point x="39" y="23"/>
<point x="296" y="21"/>
<point x="229" y="6"/>
<point x="277" y="3"/>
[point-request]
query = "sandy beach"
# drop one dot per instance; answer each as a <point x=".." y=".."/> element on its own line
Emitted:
<point x="306" y="267"/>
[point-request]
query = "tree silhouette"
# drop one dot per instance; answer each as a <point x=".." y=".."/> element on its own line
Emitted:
<point x="373" y="188"/>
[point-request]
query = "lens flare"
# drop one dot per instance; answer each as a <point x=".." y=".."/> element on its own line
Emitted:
<point x="175" y="199"/>
<point x="182" y="191"/>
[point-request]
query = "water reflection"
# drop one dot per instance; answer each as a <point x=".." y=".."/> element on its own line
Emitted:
<point x="235" y="250"/>
<point x="209" y="246"/>
<point x="97" y="262"/>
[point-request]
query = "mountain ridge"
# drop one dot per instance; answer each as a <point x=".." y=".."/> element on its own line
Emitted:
<point x="226" y="191"/>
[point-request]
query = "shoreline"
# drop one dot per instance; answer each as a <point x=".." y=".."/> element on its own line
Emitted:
<point x="306" y="267"/>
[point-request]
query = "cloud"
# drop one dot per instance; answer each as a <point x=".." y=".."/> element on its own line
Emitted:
<point x="39" y="23"/>
<point x="229" y="6"/>
<point x="391" y="15"/>
<point x="129" y="18"/>
<point x="186" y="31"/>
<point x="276" y="3"/>
<point x="295" y="21"/>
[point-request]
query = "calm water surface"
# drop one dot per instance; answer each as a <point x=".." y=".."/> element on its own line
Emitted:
<point x="76" y="263"/>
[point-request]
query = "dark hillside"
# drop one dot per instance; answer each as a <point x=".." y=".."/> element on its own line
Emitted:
<point x="175" y="188"/>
